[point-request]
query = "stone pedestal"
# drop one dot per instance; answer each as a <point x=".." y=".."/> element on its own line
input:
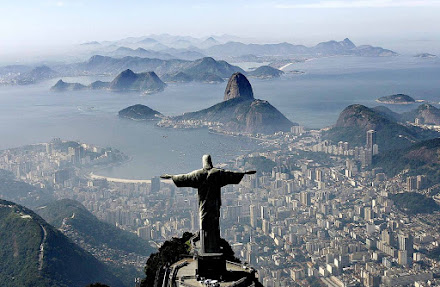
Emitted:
<point x="211" y="265"/>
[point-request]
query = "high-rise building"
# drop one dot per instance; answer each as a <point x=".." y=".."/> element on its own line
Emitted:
<point x="265" y="226"/>
<point x="311" y="174"/>
<point x="405" y="253"/>
<point x="368" y="213"/>
<point x="305" y="198"/>
<point x="402" y="257"/>
<point x="366" y="157"/>
<point x="387" y="237"/>
<point x="253" y="210"/>
<point x="49" y="148"/>
<point x="406" y="243"/>
<point x="319" y="175"/>
<point x="375" y="149"/>
<point x="411" y="183"/>
<point x="421" y="182"/>
<point x="78" y="154"/>
<point x="371" y="139"/>
<point x="297" y="130"/>
<point x="264" y="212"/>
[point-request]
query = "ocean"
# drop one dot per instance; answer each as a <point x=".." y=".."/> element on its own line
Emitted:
<point x="32" y="114"/>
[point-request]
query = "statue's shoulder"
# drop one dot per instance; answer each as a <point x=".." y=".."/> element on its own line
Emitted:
<point x="213" y="172"/>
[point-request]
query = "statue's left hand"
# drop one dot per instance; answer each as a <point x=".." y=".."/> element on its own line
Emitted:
<point x="166" y="176"/>
<point x="250" y="172"/>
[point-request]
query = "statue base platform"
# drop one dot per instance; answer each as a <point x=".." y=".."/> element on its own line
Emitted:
<point x="211" y="265"/>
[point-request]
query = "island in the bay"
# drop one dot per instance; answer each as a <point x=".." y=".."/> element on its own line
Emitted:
<point x="140" y="113"/>
<point x="425" y="55"/>
<point x="127" y="80"/>
<point x="239" y="112"/>
<point x="400" y="99"/>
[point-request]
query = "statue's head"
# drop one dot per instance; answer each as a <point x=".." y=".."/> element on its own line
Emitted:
<point x="206" y="161"/>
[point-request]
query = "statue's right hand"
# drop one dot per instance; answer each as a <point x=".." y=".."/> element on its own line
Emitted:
<point x="166" y="176"/>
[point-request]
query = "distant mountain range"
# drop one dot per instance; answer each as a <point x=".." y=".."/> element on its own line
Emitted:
<point x="205" y="70"/>
<point x="198" y="70"/>
<point x="36" y="254"/>
<point x="355" y="120"/>
<point x="163" y="53"/>
<point x="169" y="55"/>
<point x="230" y="47"/>
<point x="330" y="48"/>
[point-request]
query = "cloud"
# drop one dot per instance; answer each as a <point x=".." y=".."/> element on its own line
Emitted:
<point x="362" y="4"/>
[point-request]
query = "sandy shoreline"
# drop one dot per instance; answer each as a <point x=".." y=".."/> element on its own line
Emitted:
<point x="123" y="180"/>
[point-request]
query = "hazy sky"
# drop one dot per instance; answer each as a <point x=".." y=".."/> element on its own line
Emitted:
<point x="28" y="25"/>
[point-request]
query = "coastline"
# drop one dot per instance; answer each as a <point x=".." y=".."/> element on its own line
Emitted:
<point x="124" y="180"/>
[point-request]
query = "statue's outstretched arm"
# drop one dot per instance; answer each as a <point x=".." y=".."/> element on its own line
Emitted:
<point x="250" y="172"/>
<point x="192" y="179"/>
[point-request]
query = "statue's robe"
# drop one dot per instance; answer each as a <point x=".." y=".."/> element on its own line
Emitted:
<point x="209" y="182"/>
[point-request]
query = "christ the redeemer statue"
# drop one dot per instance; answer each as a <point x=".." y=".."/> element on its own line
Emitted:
<point x="208" y="180"/>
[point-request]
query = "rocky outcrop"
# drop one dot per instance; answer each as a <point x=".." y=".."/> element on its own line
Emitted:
<point x="238" y="87"/>
<point x="396" y="99"/>
<point x="240" y="112"/>
<point x="61" y="86"/>
<point x="143" y="82"/>
<point x="265" y="72"/>
<point x="127" y="80"/>
<point x="140" y="113"/>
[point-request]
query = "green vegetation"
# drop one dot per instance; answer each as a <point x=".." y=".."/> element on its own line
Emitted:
<point x="420" y="159"/>
<point x="396" y="99"/>
<point x="315" y="282"/>
<point x="139" y="112"/>
<point x="97" y="233"/>
<point x="168" y="253"/>
<point x="433" y="253"/>
<point x="93" y="231"/>
<point x="414" y="203"/>
<point x="355" y="120"/>
<point x="21" y="192"/>
<point x="61" y="263"/>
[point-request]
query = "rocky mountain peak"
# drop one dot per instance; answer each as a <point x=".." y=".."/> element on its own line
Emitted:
<point x="238" y="87"/>
<point x="347" y="43"/>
